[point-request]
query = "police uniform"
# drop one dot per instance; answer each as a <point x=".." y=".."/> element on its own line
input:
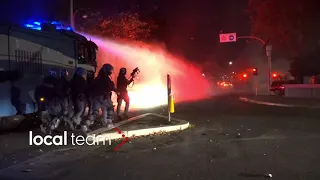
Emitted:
<point x="90" y="79"/>
<point x="122" y="84"/>
<point x="102" y="88"/>
<point x="65" y="92"/>
<point x="79" y="88"/>
<point x="52" y="91"/>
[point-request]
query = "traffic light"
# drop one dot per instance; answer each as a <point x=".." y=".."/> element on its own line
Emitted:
<point x="255" y="71"/>
<point x="274" y="75"/>
<point x="244" y="75"/>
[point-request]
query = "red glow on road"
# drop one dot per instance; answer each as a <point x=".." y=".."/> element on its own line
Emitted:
<point x="155" y="63"/>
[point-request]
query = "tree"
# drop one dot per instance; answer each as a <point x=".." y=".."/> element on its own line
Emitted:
<point x="291" y="25"/>
<point x="307" y="65"/>
<point x="122" y="26"/>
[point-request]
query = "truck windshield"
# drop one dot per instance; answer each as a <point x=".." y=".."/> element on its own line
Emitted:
<point x="87" y="53"/>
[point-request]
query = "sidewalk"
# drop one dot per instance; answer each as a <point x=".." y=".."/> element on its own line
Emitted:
<point x="282" y="101"/>
<point x="142" y="125"/>
<point x="15" y="148"/>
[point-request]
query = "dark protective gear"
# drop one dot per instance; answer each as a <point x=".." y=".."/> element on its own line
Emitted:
<point x="79" y="89"/>
<point x="78" y="86"/>
<point x="65" y="95"/>
<point x="123" y="71"/>
<point x="90" y="78"/>
<point x="123" y="82"/>
<point x="107" y="109"/>
<point x="39" y="95"/>
<point x="52" y="87"/>
<point x="53" y="91"/>
<point x="81" y="72"/>
<point x="108" y="69"/>
<point x="102" y="87"/>
<point x="122" y="85"/>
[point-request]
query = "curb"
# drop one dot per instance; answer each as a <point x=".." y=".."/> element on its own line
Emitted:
<point x="276" y="104"/>
<point x="100" y="136"/>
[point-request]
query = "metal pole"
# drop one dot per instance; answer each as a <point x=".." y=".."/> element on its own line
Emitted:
<point x="269" y="71"/>
<point x="256" y="84"/>
<point x="252" y="37"/>
<point x="268" y="52"/>
<point x="169" y="93"/>
<point x="71" y="14"/>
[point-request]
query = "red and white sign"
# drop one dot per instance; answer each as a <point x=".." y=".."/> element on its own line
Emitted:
<point x="228" y="37"/>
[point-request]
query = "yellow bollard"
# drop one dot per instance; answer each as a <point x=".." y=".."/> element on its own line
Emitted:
<point x="171" y="103"/>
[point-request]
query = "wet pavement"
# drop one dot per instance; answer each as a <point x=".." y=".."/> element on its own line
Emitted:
<point x="228" y="139"/>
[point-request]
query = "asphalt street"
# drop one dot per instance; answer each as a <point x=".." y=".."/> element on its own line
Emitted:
<point x="228" y="139"/>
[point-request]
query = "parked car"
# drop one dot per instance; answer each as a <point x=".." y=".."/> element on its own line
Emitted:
<point x="277" y="86"/>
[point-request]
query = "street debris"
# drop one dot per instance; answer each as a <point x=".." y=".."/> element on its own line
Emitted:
<point x="268" y="175"/>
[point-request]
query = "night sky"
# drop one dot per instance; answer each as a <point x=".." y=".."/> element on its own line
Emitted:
<point x="190" y="28"/>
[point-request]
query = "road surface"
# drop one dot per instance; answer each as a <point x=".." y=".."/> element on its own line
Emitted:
<point x="228" y="139"/>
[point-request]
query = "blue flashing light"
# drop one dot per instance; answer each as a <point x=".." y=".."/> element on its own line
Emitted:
<point x="37" y="28"/>
<point x="55" y="22"/>
<point x="29" y="25"/>
<point x="36" y="25"/>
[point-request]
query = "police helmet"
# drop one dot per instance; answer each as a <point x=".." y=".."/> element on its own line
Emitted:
<point x="80" y="71"/>
<point x="123" y="71"/>
<point x="107" y="68"/>
<point x="54" y="72"/>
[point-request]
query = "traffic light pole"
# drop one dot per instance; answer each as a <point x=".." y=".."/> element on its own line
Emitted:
<point x="256" y="85"/>
<point x="268" y="53"/>
<point x="71" y="14"/>
<point x="231" y="37"/>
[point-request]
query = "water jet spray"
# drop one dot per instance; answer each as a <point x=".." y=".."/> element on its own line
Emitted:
<point x="150" y="87"/>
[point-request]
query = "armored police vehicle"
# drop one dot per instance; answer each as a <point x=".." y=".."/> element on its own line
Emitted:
<point x="26" y="54"/>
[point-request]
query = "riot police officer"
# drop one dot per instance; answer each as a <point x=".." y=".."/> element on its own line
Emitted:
<point x="52" y="101"/>
<point x="102" y="88"/>
<point x="90" y="78"/>
<point x="122" y="85"/>
<point x="39" y="95"/>
<point x="65" y="94"/>
<point x="79" y="88"/>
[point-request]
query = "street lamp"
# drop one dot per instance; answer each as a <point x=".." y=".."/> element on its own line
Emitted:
<point x="73" y="14"/>
<point x="230" y="63"/>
